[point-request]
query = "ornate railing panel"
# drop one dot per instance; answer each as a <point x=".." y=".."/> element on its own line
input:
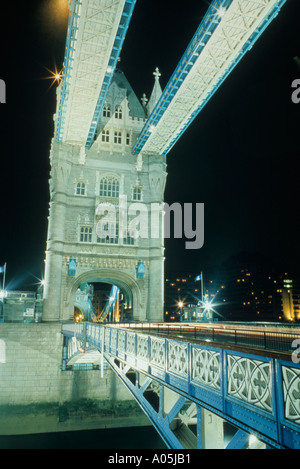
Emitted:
<point x="259" y="394"/>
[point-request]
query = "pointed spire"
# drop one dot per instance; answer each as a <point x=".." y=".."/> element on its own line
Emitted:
<point x="156" y="92"/>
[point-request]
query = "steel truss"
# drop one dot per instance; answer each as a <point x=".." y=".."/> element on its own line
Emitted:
<point x="229" y="29"/>
<point x="96" y="32"/>
<point x="181" y="386"/>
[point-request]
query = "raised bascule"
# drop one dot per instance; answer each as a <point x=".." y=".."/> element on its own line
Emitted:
<point x="110" y="148"/>
<point x="108" y="157"/>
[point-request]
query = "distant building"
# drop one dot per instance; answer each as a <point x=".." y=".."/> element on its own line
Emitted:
<point x="182" y="291"/>
<point x="21" y="306"/>
<point x="244" y="288"/>
<point x="249" y="289"/>
<point x="290" y="294"/>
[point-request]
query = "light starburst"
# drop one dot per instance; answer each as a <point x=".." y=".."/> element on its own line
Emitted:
<point x="55" y="75"/>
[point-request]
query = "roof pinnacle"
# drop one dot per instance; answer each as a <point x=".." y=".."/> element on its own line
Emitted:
<point x="157" y="74"/>
<point x="156" y="92"/>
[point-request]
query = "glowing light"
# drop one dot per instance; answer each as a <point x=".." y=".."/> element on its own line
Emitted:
<point x="180" y="304"/>
<point x="208" y="306"/>
<point x="55" y="76"/>
<point x="3" y="294"/>
<point x="221" y="12"/>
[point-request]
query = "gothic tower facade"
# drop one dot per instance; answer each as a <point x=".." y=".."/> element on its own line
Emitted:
<point x="105" y="217"/>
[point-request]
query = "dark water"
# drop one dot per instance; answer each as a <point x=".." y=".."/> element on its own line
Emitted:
<point x="120" y="438"/>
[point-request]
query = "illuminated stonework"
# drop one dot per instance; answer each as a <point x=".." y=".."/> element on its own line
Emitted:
<point x="81" y="181"/>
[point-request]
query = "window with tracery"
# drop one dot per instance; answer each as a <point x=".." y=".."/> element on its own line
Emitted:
<point x="106" y="110"/>
<point x="118" y="112"/>
<point x="80" y="188"/>
<point x="137" y="193"/>
<point x="85" y="234"/>
<point x="109" y="187"/>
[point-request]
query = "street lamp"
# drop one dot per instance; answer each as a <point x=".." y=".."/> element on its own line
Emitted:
<point x="180" y="305"/>
<point x="208" y="306"/>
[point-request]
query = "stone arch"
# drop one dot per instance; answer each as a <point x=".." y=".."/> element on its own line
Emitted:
<point x="124" y="281"/>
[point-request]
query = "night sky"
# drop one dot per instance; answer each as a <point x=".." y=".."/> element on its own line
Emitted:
<point x="239" y="157"/>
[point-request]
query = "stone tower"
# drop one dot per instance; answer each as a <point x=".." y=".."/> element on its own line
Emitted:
<point x="86" y="186"/>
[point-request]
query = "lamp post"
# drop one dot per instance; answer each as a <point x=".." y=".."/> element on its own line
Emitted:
<point x="180" y="306"/>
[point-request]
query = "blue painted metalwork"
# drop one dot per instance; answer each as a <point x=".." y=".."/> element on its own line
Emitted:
<point x="72" y="267"/>
<point x="116" y="50"/>
<point x="258" y="394"/>
<point x="109" y="307"/>
<point x="239" y="441"/>
<point x="196" y="46"/>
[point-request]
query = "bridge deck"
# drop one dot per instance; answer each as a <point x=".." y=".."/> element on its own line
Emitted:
<point x="256" y="390"/>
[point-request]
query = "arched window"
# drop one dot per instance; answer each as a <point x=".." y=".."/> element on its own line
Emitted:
<point x="118" y="112"/>
<point x="137" y="193"/>
<point x="106" y="110"/>
<point x="109" y="187"/>
<point x="80" y="188"/>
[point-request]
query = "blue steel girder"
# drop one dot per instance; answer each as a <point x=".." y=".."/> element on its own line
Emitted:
<point x="258" y="394"/>
<point x="239" y="440"/>
<point x="159" y="421"/>
<point x="158" y="119"/>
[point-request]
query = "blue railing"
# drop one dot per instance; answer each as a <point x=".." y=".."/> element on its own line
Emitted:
<point x="256" y="391"/>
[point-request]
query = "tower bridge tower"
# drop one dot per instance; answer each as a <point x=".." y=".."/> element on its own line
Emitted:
<point x="84" y="244"/>
<point x="109" y="148"/>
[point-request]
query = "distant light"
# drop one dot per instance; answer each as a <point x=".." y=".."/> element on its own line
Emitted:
<point x="55" y="76"/>
<point x="180" y="304"/>
<point x="207" y="306"/>
<point x="42" y="282"/>
<point x="152" y="128"/>
<point x="3" y="294"/>
<point x="109" y="69"/>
